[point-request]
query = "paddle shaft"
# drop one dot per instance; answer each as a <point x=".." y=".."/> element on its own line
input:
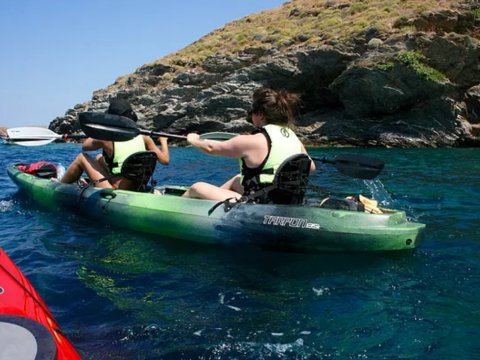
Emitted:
<point x="112" y="127"/>
<point x="75" y="137"/>
<point x="157" y="134"/>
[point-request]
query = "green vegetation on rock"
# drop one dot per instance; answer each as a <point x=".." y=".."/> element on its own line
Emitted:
<point x="414" y="60"/>
<point x="476" y="13"/>
<point x="385" y="67"/>
<point x="305" y="23"/>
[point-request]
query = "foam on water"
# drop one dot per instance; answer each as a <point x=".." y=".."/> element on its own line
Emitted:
<point x="6" y="205"/>
<point x="379" y="193"/>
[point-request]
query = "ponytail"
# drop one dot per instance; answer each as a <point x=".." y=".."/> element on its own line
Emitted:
<point x="277" y="107"/>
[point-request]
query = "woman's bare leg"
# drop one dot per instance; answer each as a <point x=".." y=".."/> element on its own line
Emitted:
<point x="234" y="184"/>
<point x="202" y="190"/>
<point x="101" y="161"/>
<point x="84" y="162"/>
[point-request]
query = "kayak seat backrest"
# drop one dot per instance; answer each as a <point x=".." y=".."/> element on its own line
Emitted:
<point x="291" y="180"/>
<point x="139" y="167"/>
<point x="289" y="185"/>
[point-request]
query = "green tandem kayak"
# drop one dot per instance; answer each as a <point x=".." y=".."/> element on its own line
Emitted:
<point x="287" y="227"/>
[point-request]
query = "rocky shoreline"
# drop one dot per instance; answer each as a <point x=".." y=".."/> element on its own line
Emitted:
<point x="420" y="89"/>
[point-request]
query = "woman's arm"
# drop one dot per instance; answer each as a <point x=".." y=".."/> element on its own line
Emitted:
<point x="92" y="144"/>
<point x="312" y="163"/>
<point x="163" y="155"/>
<point x="237" y="147"/>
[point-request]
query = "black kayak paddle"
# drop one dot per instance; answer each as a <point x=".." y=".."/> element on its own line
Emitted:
<point x="112" y="127"/>
<point x="357" y="166"/>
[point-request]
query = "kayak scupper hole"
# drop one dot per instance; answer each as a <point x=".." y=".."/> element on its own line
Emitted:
<point x="408" y="241"/>
<point x="1" y="290"/>
<point x="108" y="195"/>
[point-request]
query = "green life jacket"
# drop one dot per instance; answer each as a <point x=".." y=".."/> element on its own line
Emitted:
<point x="122" y="150"/>
<point x="282" y="143"/>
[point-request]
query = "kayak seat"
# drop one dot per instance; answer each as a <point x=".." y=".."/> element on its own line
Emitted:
<point x="290" y="182"/>
<point x="139" y="168"/>
<point x="288" y="187"/>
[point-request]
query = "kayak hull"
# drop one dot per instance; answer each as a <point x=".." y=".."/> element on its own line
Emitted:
<point x="288" y="227"/>
<point x="28" y="328"/>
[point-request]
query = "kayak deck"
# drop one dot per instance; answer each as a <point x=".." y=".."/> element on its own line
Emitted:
<point x="167" y="214"/>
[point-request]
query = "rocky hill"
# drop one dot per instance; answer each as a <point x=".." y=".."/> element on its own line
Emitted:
<point x="398" y="73"/>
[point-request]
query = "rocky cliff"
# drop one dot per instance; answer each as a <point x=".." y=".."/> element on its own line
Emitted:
<point x="408" y="76"/>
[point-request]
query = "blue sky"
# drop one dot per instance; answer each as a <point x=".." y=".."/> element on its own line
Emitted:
<point x="55" y="53"/>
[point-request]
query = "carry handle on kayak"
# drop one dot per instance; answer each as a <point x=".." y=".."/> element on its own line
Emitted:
<point x="112" y="127"/>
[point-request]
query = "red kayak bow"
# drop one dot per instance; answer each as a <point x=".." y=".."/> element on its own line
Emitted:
<point x="28" y="328"/>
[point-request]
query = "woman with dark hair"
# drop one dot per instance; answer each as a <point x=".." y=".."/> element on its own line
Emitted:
<point x="108" y="165"/>
<point x="260" y="154"/>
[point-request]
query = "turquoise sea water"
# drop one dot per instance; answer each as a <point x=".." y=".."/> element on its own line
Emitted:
<point x="125" y="295"/>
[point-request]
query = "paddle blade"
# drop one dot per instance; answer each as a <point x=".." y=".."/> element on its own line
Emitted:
<point x="30" y="142"/>
<point x="27" y="132"/>
<point x="109" y="127"/>
<point x="31" y="136"/>
<point x="357" y="166"/>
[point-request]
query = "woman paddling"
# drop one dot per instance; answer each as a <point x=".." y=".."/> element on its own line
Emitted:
<point x="108" y="166"/>
<point x="260" y="154"/>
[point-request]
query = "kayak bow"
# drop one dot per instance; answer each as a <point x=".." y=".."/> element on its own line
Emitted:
<point x="28" y="329"/>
